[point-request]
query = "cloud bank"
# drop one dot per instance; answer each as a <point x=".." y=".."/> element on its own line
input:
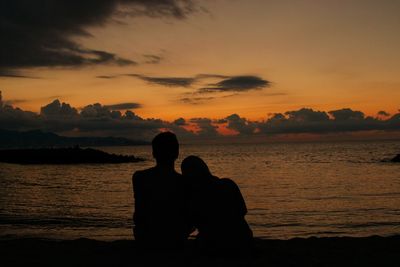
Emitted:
<point x="108" y="120"/>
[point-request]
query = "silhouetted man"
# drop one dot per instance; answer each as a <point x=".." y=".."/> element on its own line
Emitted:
<point x="159" y="220"/>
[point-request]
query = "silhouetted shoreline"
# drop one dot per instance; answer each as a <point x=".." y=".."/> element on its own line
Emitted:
<point x="332" y="251"/>
<point x="75" y="155"/>
<point x="39" y="139"/>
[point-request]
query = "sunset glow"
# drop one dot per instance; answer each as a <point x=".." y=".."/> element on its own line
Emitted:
<point x="251" y="58"/>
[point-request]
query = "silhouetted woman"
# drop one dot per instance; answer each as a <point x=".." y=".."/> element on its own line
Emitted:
<point x="217" y="209"/>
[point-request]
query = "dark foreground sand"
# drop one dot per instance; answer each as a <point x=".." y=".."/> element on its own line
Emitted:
<point x="340" y="251"/>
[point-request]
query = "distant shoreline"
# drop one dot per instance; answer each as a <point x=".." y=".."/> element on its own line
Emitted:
<point x="69" y="155"/>
<point x="39" y="139"/>
<point x="327" y="251"/>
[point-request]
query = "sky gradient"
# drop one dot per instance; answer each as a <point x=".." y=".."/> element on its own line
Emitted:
<point x="204" y="59"/>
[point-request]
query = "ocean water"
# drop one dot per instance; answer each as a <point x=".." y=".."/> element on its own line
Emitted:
<point x="291" y="190"/>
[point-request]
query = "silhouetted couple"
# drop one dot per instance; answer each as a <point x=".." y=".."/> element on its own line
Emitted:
<point x="170" y="206"/>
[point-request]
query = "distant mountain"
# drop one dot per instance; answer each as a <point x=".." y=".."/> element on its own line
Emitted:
<point x="37" y="138"/>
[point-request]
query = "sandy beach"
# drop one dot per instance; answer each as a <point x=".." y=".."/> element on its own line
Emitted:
<point x="338" y="251"/>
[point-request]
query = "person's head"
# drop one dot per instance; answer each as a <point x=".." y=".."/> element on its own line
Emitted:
<point x="194" y="167"/>
<point x="165" y="147"/>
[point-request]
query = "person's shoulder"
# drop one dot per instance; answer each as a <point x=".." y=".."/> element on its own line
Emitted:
<point x="228" y="184"/>
<point x="226" y="181"/>
<point x="180" y="176"/>
<point x="142" y="173"/>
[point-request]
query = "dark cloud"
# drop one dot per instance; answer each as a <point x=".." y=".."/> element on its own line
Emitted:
<point x="237" y="84"/>
<point x="178" y="9"/>
<point x="241" y="125"/>
<point x="195" y="100"/>
<point x="167" y="81"/>
<point x="14" y="74"/>
<point x="170" y="81"/>
<point x="220" y="121"/>
<point x="106" y="77"/>
<point x="17" y="119"/>
<point x="383" y="113"/>
<point x="123" y="106"/>
<point x="211" y="76"/>
<point x="93" y="119"/>
<point x="42" y="33"/>
<point x="307" y="114"/>
<point x="206" y="127"/>
<point x="304" y="120"/>
<point x="395" y="120"/>
<point x="309" y="121"/>
<point x="164" y="81"/>
<point x="152" y="59"/>
<point x="346" y="114"/>
<point x="97" y="110"/>
<point x="180" y="122"/>
<point x="58" y="109"/>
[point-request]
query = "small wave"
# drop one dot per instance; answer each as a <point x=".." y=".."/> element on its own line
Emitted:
<point x="362" y="161"/>
<point x="386" y="194"/>
<point x="66" y="222"/>
<point x="368" y="225"/>
<point x="328" y="198"/>
<point x="312" y="213"/>
<point x="327" y="233"/>
<point x="312" y="161"/>
<point x="275" y="225"/>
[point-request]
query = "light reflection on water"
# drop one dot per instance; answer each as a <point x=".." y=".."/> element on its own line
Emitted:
<point x="291" y="190"/>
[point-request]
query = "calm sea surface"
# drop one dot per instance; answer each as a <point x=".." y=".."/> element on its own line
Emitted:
<point x="291" y="190"/>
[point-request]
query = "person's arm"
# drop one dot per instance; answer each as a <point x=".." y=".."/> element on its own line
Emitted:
<point x="237" y="196"/>
<point x="188" y="209"/>
<point x="138" y="207"/>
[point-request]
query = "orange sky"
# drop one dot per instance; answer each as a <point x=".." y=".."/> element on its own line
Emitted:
<point x="320" y="54"/>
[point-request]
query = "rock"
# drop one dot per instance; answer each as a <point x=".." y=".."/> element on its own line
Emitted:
<point x="396" y="158"/>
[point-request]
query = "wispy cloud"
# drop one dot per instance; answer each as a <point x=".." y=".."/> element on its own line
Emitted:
<point x="211" y="76"/>
<point x="106" y="77"/>
<point x="169" y="81"/>
<point x="237" y="84"/>
<point x="15" y="74"/>
<point x="152" y="59"/>
<point x="195" y="100"/>
<point x="124" y="106"/>
<point x="241" y="83"/>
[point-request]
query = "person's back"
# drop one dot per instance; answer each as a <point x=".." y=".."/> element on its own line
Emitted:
<point x="159" y="220"/>
<point x="221" y="216"/>
<point x="217" y="210"/>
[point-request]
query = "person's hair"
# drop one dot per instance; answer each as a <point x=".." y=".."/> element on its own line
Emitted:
<point x="195" y="167"/>
<point x="165" y="147"/>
